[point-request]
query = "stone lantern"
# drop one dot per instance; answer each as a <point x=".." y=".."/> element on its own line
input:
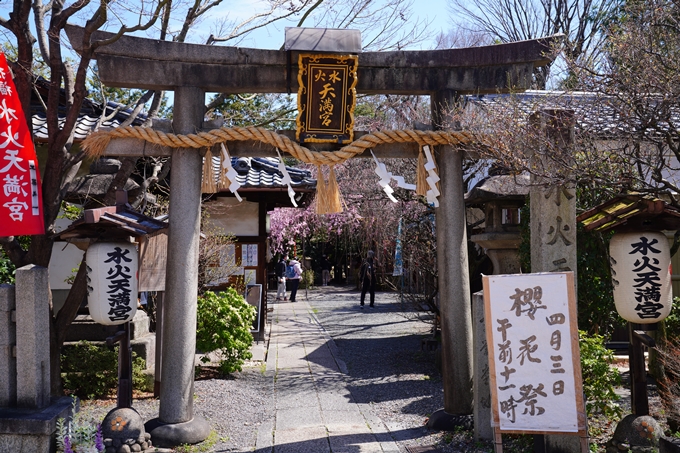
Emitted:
<point x="501" y="198"/>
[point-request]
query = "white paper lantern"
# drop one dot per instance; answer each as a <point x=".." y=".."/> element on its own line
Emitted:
<point x="112" y="282"/>
<point x="641" y="273"/>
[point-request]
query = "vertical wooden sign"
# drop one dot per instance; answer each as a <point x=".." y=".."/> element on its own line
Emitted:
<point x="535" y="369"/>
<point x="326" y="98"/>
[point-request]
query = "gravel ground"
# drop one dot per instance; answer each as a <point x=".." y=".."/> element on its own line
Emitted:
<point x="235" y="407"/>
<point x="389" y="373"/>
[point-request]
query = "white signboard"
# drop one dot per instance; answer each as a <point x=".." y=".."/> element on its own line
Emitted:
<point x="532" y="337"/>
<point x="249" y="255"/>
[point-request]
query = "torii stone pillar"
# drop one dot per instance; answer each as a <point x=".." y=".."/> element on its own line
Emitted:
<point x="176" y="423"/>
<point x="453" y="280"/>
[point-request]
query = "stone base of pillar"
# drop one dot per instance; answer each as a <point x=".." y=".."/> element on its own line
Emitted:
<point x="669" y="445"/>
<point x="32" y="429"/>
<point x="169" y="435"/>
<point x="443" y="421"/>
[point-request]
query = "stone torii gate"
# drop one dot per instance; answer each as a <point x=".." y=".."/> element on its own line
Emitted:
<point x="191" y="70"/>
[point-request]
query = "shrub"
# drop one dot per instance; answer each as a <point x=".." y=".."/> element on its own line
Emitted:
<point x="89" y="370"/>
<point x="599" y="379"/>
<point x="307" y="279"/>
<point x="7" y="269"/>
<point x="223" y="324"/>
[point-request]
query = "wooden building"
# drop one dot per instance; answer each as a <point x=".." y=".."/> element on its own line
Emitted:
<point x="262" y="189"/>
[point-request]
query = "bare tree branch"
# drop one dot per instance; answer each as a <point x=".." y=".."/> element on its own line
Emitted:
<point x="39" y="11"/>
<point x="580" y="21"/>
<point x="260" y="20"/>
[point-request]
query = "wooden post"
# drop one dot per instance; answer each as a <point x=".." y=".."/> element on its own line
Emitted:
<point x="638" y="371"/>
<point x="497" y="441"/>
<point x="122" y="337"/>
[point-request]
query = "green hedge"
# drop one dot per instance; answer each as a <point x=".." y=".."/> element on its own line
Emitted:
<point x="90" y="370"/>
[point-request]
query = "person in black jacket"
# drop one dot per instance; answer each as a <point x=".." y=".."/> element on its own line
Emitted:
<point x="280" y="270"/>
<point x="367" y="278"/>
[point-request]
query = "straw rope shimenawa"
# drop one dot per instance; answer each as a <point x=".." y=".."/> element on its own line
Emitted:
<point x="328" y="194"/>
<point x="96" y="143"/>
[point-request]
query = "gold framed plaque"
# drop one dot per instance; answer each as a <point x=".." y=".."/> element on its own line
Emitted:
<point x="326" y="98"/>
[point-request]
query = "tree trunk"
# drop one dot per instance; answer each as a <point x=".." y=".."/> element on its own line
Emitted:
<point x="61" y="323"/>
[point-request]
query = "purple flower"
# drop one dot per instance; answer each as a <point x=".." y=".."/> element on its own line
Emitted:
<point x="98" y="439"/>
<point x="67" y="445"/>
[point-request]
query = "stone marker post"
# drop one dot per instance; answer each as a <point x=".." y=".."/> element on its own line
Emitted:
<point x="33" y="334"/>
<point x="553" y="209"/>
<point x="553" y="228"/>
<point x="481" y="388"/>
<point x="176" y="423"/>
<point x="453" y="283"/>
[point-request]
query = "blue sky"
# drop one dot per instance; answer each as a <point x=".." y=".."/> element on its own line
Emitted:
<point x="272" y="37"/>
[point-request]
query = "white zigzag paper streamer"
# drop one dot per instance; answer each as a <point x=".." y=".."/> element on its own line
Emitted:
<point x="231" y="173"/>
<point x="432" y="179"/>
<point x="386" y="176"/>
<point x="286" y="178"/>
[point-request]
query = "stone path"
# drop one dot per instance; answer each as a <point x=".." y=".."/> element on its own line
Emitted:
<point x="315" y="411"/>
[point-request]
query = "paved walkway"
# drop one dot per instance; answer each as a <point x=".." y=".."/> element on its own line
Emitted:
<point x="315" y="411"/>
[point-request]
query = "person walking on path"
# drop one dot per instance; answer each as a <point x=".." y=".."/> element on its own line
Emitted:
<point x="294" y="273"/>
<point x="280" y="271"/>
<point x="325" y="270"/>
<point x="367" y="278"/>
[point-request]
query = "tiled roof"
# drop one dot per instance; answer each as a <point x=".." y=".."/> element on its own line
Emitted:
<point x="507" y="187"/>
<point x="263" y="172"/>
<point x="593" y="112"/>
<point x="631" y="210"/>
<point x="89" y="117"/>
<point x="111" y="221"/>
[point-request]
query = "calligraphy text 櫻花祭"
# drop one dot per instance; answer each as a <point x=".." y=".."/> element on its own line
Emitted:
<point x="530" y="347"/>
<point x="526" y="302"/>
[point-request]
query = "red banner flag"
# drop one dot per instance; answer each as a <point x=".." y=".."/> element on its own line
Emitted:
<point x="21" y="210"/>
